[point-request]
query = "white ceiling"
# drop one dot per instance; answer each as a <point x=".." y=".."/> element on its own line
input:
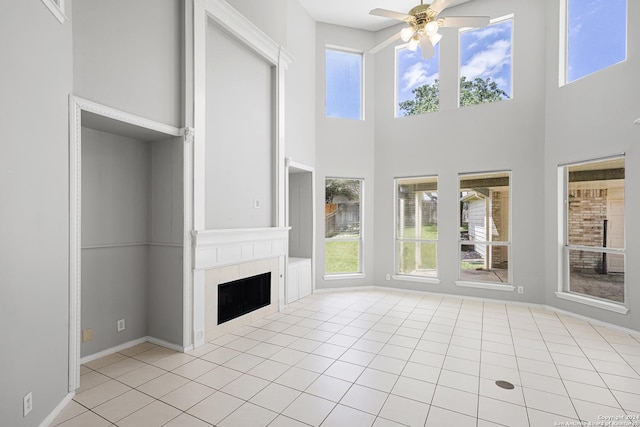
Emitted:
<point x="355" y="13"/>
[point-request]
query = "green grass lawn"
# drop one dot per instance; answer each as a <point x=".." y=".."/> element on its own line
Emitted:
<point x="341" y="257"/>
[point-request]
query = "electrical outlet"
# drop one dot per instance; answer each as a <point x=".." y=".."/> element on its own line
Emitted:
<point x="520" y="289"/>
<point x="27" y="404"/>
<point x="388" y="277"/>
<point x="121" y="325"/>
<point x="256" y="204"/>
<point x="87" y="335"/>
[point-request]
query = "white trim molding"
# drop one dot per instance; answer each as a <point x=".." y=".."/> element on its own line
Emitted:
<point x="409" y="278"/>
<point x="56" y="7"/>
<point x="482" y="285"/>
<point x="592" y="302"/>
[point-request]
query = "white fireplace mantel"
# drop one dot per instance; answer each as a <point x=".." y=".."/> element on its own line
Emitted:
<point x="217" y="248"/>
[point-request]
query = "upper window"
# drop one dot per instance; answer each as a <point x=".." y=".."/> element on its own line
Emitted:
<point x="485" y="63"/>
<point x="485" y="230"/>
<point x="416" y="81"/>
<point x="343" y="218"/>
<point x="596" y="34"/>
<point x="343" y="84"/>
<point x="417" y="226"/>
<point x="594" y="240"/>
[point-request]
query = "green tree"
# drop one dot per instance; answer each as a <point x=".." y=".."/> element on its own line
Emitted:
<point x="472" y="92"/>
<point x="347" y="188"/>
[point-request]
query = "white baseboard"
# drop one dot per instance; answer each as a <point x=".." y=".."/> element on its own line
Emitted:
<point x="128" y="344"/>
<point x="57" y="410"/>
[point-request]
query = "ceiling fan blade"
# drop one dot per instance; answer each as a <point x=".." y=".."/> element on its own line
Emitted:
<point x="439" y="5"/>
<point x="390" y="14"/>
<point x="465" y="21"/>
<point x="385" y="43"/>
<point x="427" y="48"/>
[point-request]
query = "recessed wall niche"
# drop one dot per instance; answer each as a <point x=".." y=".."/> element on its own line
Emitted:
<point x="240" y="134"/>
<point x="132" y="231"/>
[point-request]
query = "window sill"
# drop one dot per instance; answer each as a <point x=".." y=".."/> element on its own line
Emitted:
<point x="490" y="286"/>
<point x="604" y="305"/>
<point x="407" y="278"/>
<point x="345" y="276"/>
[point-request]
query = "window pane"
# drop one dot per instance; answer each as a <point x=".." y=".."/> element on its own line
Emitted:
<point x="342" y="257"/>
<point x="597" y="274"/>
<point x="342" y="208"/>
<point x="417" y="206"/>
<point x="417" y="259"/>
<point x="485" y="64"/>
<point x="417" y="89"/>
<point x="484" y="207"/>
<point x="343" y="84"/>
<point x="596" y="36"/>
<point x="484" y="263"/>
<point x="596" y="204"/>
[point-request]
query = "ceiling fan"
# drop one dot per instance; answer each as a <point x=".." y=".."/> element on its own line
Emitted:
<point x="424" y="24"/>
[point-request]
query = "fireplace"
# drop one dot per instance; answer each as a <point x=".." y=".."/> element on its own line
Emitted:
<point x="243" y="296"/>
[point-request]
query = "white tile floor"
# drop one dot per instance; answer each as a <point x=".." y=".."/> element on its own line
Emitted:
<point x="375" y="358"/>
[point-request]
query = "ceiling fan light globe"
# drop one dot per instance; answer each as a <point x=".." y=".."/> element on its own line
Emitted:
<point x="431" y="28"/>
<point x="413" y="44"/>
<point x="406" y="34"/>
<point x="435" y="38"/>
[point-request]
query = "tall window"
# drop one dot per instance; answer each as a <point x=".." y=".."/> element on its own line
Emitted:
<point x="594" y="249"/>
<point x="416" y="82"/>
<point x="596" y="35"/>
<point x="485" y="63"/>
<point x="343" y="219"/>
<point x="417" y="226"/>
<point x="485" y="229"/>
<point x="343" y="84"/>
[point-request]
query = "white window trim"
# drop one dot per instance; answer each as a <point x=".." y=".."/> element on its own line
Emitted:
<point x="493" y="21"/>
<point x="490" y="285"/>
<point x="409" y="277"/>
<point x="564" y="291"/>
<point x="362" y="64"/>
<point x="360" y="272"/>
<point x="419" y="279"/>
<point x="57" y="9"/>
<point x="485" y="285"/>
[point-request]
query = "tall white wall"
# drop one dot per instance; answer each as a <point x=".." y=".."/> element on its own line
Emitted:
<point x="128" y="55"/>
<point x="34" y="169"/>
<point x="591" y="118"/>
<point x="345" y="148"/>
<point x="507" y="135"/>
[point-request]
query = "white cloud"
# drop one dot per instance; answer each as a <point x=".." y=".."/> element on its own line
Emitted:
<point x="488" y="62"/>
<point x="491" y="31"/>
<point x="418" y="75"/>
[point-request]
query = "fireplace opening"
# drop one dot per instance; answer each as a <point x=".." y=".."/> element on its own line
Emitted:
<point x="243" y="296"/>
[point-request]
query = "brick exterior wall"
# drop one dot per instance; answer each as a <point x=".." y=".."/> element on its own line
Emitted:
<point x="587" y="212"/>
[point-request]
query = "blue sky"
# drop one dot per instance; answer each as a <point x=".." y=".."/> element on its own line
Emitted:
<point x="414" y="71"/>
<point x="343" y="84"/>
<point x="596" y="37"/>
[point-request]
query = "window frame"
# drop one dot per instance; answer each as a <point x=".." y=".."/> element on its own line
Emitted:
<point x="508" y="286"/>
<point x="351" y="51"/>
<point x="396" y="76"/>
<point x="397" y="240"/>
<point x="564" y="246"/>
<point x="563" y="48"/>
<point x="494" y="21"/>
<point x="360" y="239"/>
